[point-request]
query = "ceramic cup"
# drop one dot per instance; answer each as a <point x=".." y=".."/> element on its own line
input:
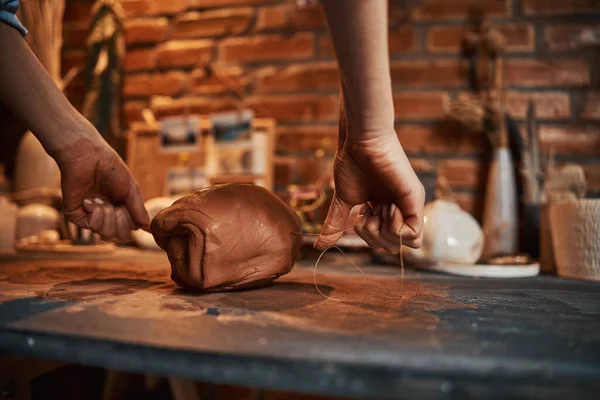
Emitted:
<point x="33" y="219"/>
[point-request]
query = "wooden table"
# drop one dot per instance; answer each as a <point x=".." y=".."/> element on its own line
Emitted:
<point x="433" y="336"/>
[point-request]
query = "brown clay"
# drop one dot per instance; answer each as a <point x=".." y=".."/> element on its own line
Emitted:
<point x="228" y="237"/>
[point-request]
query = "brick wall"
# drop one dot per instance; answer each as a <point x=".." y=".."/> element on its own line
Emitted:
<point x="283" y="59"/>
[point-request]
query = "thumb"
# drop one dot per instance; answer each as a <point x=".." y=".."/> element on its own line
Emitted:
<point x="136" y="209"/>
<point x="335" y="224"/>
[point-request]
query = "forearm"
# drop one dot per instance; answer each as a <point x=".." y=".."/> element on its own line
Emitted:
<point x="31" y="94"/>
<point x="359" y="30"/>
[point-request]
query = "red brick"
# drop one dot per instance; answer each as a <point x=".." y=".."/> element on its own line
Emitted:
<point x="325" y="47"/>
<point x="226" y="392"/>
<point x="462" y="173"/>
<point x="132" y="111"/>
<point x="311" y="17"/>
<point x="162" y="107"/>
<point x="272" y="18"/>
<point x="448" y="39"/>
<point x="134" y="8"/>
<point x="556" y="7"/>
<point x="223" y="80"/>
<point x="142" y="85"/>
<point x="421" y="165"/>
<point x="580" y="139"/>
<point x="184" y="53"/>
<point x="533" y="73"/>
<point x="420" y="104"/>
<point x="296" y="107"/>
<point x="298" y="77"/>
<point x="592" y="106"/>
<point x="471" y="203"/>
<point x="402" y="40"/>
<point x="167" y="7"/>
<point x="307" y="138"/>
<point x="548" y="105"/>
<point x="73" y="58"/>
<point x="437" y="140"/>
<point x="212" y="23"/>
<point x="447" y="73"/>
<point x="592" y="176"/>
<point x="145" y="30"/>
<point x="564" y="37"/>
<point x="75" y="35"/>
<point x="140" y="59"/>
<point x="267" y="47"/>
<point x="457" y="9"/>
<point x="78" y="11"/>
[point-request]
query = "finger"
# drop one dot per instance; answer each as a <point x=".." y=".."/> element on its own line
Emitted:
<point x="335" y="224"/>
<point x="136" y="209"/>
<point x="109" y="226"/>
<point x="373" y="231"/>
<point x="359" y="227"/>
<point x="392" y="223"/>
<point x="415" y="244"/>
<point x="123" y="225"/>
<point x="95" y="220"/>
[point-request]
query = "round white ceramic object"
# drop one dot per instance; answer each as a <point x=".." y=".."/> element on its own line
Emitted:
<point x="450" y="235"/>
<point x="33" y="219"/>
<point x="144" y="239"/>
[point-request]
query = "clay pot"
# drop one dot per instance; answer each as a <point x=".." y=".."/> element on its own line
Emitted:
<point x="33" y="219"/>
<point x="450" y="235"/>
<point x="34" y="168"/>
<point x="8" y="223"/>
<point x="575" y="230"/>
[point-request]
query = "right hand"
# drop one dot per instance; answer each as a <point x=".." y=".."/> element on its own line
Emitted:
<point x="99" y="192"/>
<point x="371" y="169"/>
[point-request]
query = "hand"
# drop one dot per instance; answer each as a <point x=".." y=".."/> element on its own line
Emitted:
<point x="99" y="192"/>
<point x="373" y="170"/>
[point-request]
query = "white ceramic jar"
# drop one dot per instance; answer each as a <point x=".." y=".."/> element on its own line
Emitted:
<point x="450" y="235"/>
<point x="33" y="219"/>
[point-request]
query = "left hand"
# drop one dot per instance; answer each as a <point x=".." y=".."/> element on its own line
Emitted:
<point x="99" y="192"/>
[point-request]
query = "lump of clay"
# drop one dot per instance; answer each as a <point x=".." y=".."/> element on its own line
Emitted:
<point x="228" y="237"/>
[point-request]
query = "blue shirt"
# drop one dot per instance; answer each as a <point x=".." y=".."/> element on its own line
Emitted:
<point x="8" y="15"/>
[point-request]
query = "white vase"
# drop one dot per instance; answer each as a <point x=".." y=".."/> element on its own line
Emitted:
<point x="34" y="168"/>
<point x="450" y="235"/>
<point x="500" y="214"/>
<point x="8" y="223"/>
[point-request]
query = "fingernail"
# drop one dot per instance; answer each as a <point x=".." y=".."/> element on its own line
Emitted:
<point x="98" y="201"/>
<point x="87" y="201"/>
<point x="363" y="209"/>
<point x="392" y="210"/>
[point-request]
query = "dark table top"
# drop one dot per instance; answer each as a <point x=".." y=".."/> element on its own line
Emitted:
<point x="433" y="336"/>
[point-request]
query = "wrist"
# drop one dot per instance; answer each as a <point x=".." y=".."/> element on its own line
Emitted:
<point x="61" y="135"/>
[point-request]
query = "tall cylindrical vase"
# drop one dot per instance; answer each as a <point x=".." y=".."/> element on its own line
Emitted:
<point x="500" y="225"/>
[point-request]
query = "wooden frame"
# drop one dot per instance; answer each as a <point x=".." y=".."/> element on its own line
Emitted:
<point x="149" y="165"/>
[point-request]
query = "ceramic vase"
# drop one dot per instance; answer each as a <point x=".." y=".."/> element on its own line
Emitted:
<point x="500" y="225"/>
<point x="33" y="219"/>
<point x="8" y="223"/>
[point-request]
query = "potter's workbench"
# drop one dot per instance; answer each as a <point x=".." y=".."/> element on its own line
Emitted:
<point x="430" y="336"/>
